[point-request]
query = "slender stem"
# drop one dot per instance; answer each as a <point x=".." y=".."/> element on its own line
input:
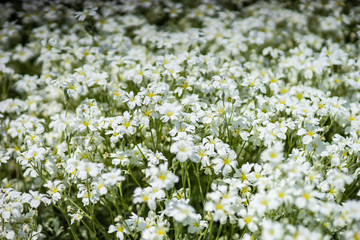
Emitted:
<point x="130" y="173"/>
<point x="67" y="220"/>
<point x="199" y="182"/>
<point x="219" y="232"/>
<point x="88" y="228"/>
<point x="211" y="227"/>
<point x="183" y="177"/>
<point x="68" y="198"/>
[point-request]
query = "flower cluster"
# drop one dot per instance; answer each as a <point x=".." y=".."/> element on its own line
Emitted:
<point x="180" y="120"/>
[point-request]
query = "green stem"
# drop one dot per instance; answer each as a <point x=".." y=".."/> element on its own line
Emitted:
<point x="88" y="228"/>
<point x="198" y="180"/>
<point x="219" y="232"/>
<point x="67" y="220"/>
<point x="130" y="173"/>
<point x="68" y="198"/>
<point x="183" y="177"/>
<point x="141" y="152"/>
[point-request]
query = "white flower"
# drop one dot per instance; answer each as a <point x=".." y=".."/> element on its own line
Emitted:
<point x="88" y="195"/>
<point x="309" y="133"/>
<point x="127" y="123"/>
<point x="271" y="230"/>
<point x="249" y="219"/>
<point x="89" y="169"/>
<point x="120" y="157"/>
<point x="11" y="210"/>
<point x="74" y="88"/>
<point x="162" y="177"/>
<point x="119" y="229"/>
<point x="3" y="158"/>
<point x="196" y="225"/>
<point x="307" y="197"/>
<point x="97" y="78"/>
<point x="37" y="198"/>
<point x="157" y="232"/>
<point x="169" y="111"/>
<point x="219" y="206"/>
<point x="263" y="202"/>
<point x="76" y="216"/>
<point x="136" y="223"/>
<point x="112" y="177"/>
<point x="145" y="195"/>
<point x="353" y="208"/>
<point x="225" y="162"/>
<point x="172" y="69"/>
<point x="183" y="150"/>
<point x="100" y="187"/>
<point x="180" y="211"/>
<point x="36" y="153"/>
<point x="155" y="158"/>
<point x="131" y="100"/>
<point x="201" y="154"/>
<point x="274" y="154"/>
<point x="55" y="189"/>
<point x="88" y="12"/>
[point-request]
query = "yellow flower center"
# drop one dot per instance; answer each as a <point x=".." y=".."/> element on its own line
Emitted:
<point x="226" y="161"/>
<point x="120" y="228"/>
<point x="306" y="196"/>
<point x="127" y="124"/>
<point x="201" y="154"/>
<point x="243" y="177"/>
<point x="247" y="220"/>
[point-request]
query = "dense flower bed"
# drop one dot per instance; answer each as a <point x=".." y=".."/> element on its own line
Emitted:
<point x="180" y="120"/>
